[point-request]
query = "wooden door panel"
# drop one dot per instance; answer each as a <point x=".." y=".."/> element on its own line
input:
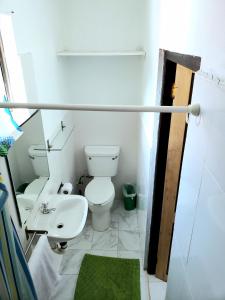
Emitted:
<point x="173" y="164"/>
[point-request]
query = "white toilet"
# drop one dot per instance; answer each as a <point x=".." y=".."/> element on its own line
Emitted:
<point x="102" y="163"/>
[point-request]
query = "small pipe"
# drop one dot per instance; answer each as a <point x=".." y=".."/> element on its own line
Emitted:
<point x="193" y="109"/>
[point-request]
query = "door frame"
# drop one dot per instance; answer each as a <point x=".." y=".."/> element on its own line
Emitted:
<point x="166" y="74"/>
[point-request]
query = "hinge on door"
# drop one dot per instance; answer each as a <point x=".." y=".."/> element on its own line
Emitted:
<point x="173" y="90"/>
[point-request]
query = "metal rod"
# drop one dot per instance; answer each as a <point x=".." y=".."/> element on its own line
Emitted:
<point x="193" y="109"/>
<point x="30" y="242"/>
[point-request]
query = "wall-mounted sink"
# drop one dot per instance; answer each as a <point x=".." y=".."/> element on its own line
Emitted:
<point x="66" y="221"/>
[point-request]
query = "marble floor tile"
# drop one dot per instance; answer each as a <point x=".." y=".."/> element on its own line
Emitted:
<point x="122" y="240"/>
<point x="157" y="290"/>
<point x="118" y="206"/>
<point x="145" y="294"/>
<point x="104" y="253"/>
<point x="65" y="288"/>
<point x="143" y="273"/>
<point x="114" y="220"/>
<point x="142" y="220"/>
<point x="71" y="261"/>
<point x="84" y="240"/>
<point x="142" y="241"/>
<point x="88" y="220"/>
<point x="152" y="278"/>
<point x="106" y="240"/>
<point x="130" y="254"/>
<point x="128" y="241"/>
<point x="128" y="220"/>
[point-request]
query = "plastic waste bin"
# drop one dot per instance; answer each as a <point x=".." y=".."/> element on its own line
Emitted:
<point x="21" y="189"/>
<point x="129" y="196"/>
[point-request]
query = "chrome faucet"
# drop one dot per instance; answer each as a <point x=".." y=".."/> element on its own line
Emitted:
<point x="44" y="208"/>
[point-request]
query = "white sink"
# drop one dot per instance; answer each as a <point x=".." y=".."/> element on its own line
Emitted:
<point x="68" y="219"/>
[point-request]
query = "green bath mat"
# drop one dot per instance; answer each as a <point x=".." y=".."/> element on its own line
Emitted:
<point x="108" y="278"/>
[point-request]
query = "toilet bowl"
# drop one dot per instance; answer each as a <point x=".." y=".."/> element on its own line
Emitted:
<point x="36" y="186"/>
<point x="100" y="193"/>
<point x="102" y="163"/>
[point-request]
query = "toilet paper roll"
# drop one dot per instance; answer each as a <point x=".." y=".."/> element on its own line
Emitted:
<point x="66" y="188"/>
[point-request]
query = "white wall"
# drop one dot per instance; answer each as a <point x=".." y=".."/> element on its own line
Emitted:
<point x="79" y="25"/>
<point x="106" y="128"/>
<point x="10" y="202"/>
<point x="199" y="239"/>
<point x="104" y="80"/>
<point x="95" y="128"/>
<point x="197" y="259"/>
<point x="20" y="164"/>
<point x="62" y="165"/>
<point x="37" y="27"/>
<point x="103" y="26"/>
<point x="43" y="28"/>
<point x="148" y="122"/>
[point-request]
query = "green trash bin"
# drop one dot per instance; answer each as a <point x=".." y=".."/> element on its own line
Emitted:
<point x="22" y="187"/>
<point x="129" y="196"/>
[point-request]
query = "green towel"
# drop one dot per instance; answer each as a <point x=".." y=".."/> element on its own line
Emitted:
<point x="108" y="278"/>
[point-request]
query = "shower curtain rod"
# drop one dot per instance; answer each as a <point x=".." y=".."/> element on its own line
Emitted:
<point x="193" y="109"/>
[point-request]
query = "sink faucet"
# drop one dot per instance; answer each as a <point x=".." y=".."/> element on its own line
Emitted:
<point x="44" y="208"/>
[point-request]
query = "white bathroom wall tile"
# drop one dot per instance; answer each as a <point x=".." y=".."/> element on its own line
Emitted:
<point x="65" y="288"/>
<point x="106" y="240"/>
<point x="190" y="180"/>
<point x="212" y="125"/>
<point x="84" y="240"/>
<point x="206" y="261"/>
<point x="128" y="220"/>
<point x="71" y="262"/>
<point x="128" y="241"/>
<point x="100" y="128"/>
<point x="104" y="253"/>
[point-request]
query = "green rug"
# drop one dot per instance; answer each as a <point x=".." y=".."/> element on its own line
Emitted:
<point x="108" y="278"/>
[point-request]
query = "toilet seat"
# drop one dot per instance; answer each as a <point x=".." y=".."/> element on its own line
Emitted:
<point x="36" y="186"/>
<point x="100" y="191"/>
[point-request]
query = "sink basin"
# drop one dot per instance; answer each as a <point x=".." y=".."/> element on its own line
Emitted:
<point x="68" y="219"/>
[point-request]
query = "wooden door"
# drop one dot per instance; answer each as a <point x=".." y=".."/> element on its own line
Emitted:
<point x="182" y="87"/>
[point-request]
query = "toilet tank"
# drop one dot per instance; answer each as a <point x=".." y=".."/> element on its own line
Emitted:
<point x="39" y="160"/>
<point x="102" y="161"/>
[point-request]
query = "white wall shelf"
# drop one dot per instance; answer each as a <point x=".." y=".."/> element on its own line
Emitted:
<point x="101" y="53"/>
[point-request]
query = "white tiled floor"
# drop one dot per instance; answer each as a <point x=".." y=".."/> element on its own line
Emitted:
<point x="122" y="239"/>
<point x="157" y="288"/>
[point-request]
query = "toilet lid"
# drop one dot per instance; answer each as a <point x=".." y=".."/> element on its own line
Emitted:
<point x="100" y="190"/>
<point x="36" y="186"/>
